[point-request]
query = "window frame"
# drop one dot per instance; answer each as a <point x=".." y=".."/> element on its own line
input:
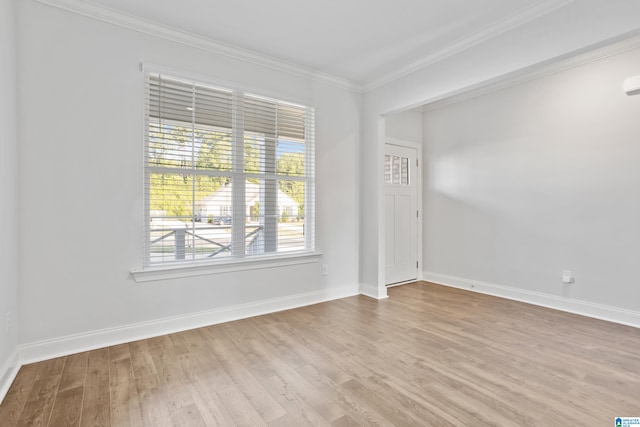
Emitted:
<point x="237" y="260"/>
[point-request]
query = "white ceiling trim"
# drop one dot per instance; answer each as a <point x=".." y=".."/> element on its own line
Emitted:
<point x="624" y="43"/>
<point x="539" y="9"/>
<point x="162" y="31"/>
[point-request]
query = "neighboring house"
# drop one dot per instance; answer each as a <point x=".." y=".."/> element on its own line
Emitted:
<point x="218" y="204"/>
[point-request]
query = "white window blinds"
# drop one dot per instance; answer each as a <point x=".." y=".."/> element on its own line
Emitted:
<point x="227" y="173"/>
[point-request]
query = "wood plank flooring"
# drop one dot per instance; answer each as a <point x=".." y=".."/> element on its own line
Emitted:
<point x="427" y="356"/>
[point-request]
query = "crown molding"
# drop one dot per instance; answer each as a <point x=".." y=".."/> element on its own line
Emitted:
<point x="509" y="23"/>
<point x="611" y="47"/>
<point x="101" y="13"/>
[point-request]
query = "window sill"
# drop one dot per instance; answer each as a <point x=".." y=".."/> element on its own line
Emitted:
<point x="177" y="271"/>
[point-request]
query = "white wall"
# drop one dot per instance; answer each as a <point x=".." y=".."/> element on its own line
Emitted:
<point x="405" y="126"/>
<point x="542" y="177"/>
<point x="81" y="177"/>
<point x="578" y="26"/>
<point x="8" y="191"/>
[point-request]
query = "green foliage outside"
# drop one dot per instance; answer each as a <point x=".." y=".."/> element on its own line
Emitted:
<point x="292" y="164"/>
<point x="171" y="147"/>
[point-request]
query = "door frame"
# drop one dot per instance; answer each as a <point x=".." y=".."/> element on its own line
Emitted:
<point x="382" y="229"/>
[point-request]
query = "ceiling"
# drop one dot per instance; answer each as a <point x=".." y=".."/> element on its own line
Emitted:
<point x="363" y="41"/>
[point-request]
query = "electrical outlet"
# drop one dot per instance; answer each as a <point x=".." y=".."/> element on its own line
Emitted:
<point x="8" y="321"/>
<point x="567" y="276"/>
<point x="325" y="269"/>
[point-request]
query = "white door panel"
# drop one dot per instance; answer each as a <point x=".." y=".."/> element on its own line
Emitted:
<point x="403" y="237"/>
<point x="390" y="219"/>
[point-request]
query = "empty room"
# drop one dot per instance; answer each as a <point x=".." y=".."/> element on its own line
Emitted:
<point x="416" y="213"/>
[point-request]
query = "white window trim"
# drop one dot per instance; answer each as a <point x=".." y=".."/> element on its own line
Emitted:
<point x="177" y="271"/>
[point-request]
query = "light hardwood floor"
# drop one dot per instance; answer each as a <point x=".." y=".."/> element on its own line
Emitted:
<point x="427" y="356"/>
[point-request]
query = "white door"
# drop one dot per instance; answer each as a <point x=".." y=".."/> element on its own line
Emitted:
<point x="401" y="213"/>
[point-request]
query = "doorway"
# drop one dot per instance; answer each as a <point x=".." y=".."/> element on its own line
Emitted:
<point x="401" y="213"/>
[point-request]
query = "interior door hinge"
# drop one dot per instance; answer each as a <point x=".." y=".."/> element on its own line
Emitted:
<point x="418" y="214"/>
<point x="416" y="264"/>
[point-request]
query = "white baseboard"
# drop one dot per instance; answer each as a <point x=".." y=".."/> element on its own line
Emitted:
<point x="63" y="346"/>
<point x="8" y="373"/>
<point x="372" y="291"/>
<point x="584" y="308"/>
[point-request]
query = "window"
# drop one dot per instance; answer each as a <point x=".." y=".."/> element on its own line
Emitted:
<point x="396" y="170"/>
<point x="228" y="174"/>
